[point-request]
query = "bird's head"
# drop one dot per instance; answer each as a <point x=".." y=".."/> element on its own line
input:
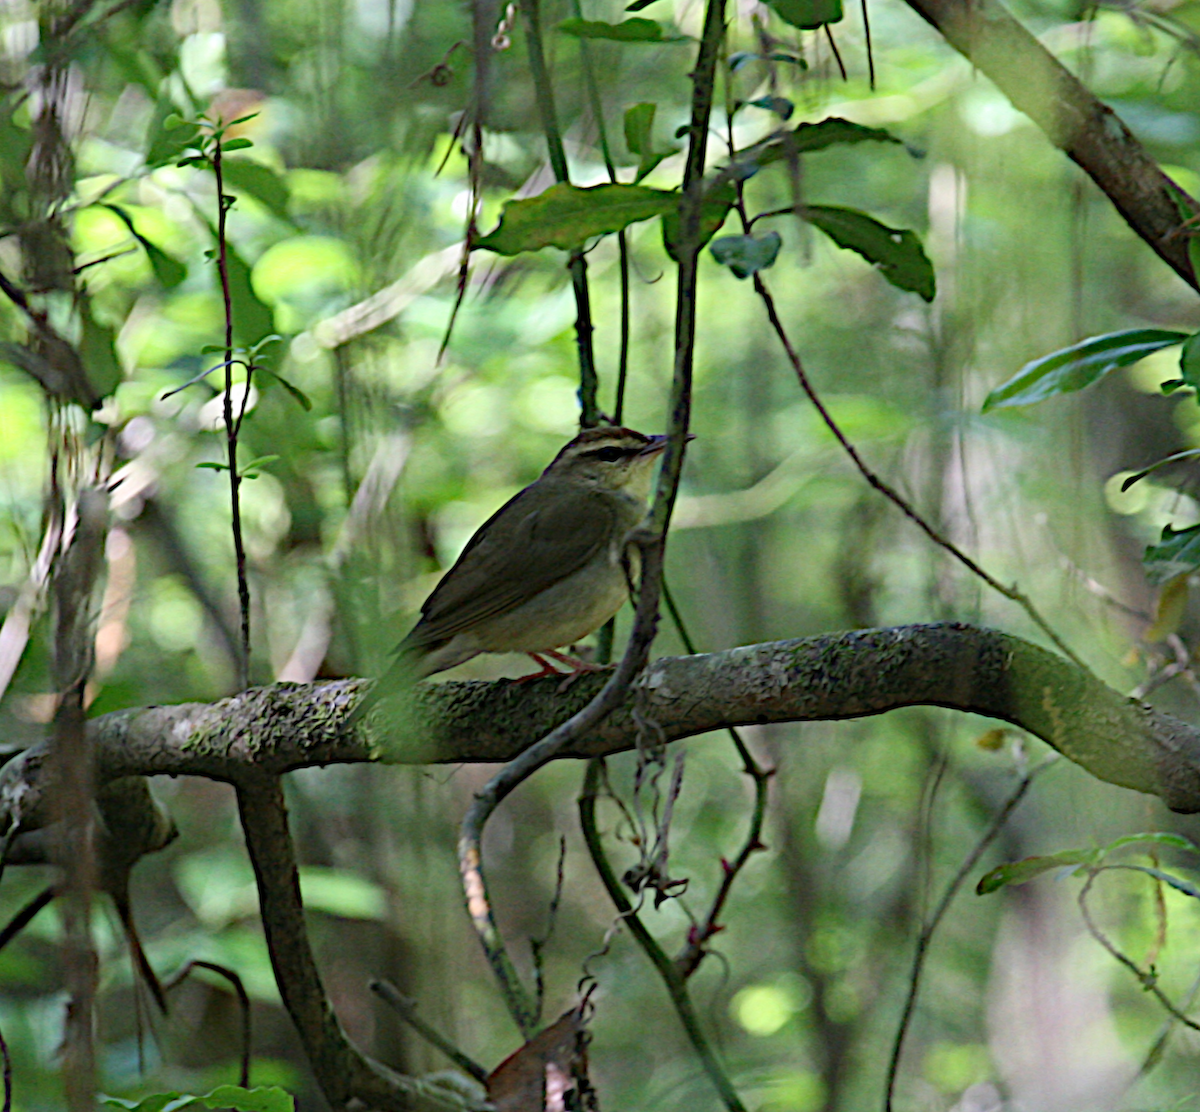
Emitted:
<point x="610" y="458"/>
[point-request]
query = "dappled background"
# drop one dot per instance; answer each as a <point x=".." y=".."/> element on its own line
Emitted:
<point x="378" y="459"/>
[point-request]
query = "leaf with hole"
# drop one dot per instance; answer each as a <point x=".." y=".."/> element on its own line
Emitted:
<point x="1177" y="553"/>
<point x="1081" y="364"/>
<point x="567" y="216"/>
<point x="808" y="15"/>
<point x="896" y="252"/>
<point x="1021" y="872"/>
<point x="637" y="30"/>
<point x="745" y="255"/>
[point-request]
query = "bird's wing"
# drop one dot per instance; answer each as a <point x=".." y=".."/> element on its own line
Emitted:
<point x="528" y="545"/>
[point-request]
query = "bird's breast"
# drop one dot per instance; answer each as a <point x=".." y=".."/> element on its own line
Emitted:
<point x="562" y="614"/>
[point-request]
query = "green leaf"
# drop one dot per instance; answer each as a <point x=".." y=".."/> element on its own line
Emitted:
<point x="168" y="271"/>
<point x="212" y="465"/>
<point x="1138" y="476"/>
<point x="237" y="144"/>
<point x="1178" y="883"/>
<point x="1177" y="553"/>
<point x="267" y="1098"/>
<point x="824" y="133"/>
<point x="807" y="14"/>
<point x="745" y="255"/>
<point x="1020" y="872"/>
<point x="301" y="397"/>
<point x="168" y="135"/>
<point x="743" y="58"/>
<point x="628" y="30"/>
<point x="252" y="318"/>
<point x="342" y="893"/>
<point x="712" y="215"/>
<point x="1189" y="364"/>
<point x="156" y="1103"/>
<point x="15" y="145"/>
<point x="97" y="349"/>
<point x="1075" y="367"/>
<point x="639" y="138"/>
<point x="1156" y="838"/>
<point x="897" y="253"/>
<point x="781" y="106"/>
<point x="567" y="216"/>
<point x="261" y="182"/>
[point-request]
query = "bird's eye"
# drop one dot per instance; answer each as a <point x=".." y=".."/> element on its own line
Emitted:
<point x="609" y="455"/>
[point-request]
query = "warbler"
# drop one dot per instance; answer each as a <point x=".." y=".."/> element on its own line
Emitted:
<point x="544" y="570"/>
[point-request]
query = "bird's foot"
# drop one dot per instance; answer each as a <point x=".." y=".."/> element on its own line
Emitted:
<point x="547" y="670"/>
<point x="578" y="668"/>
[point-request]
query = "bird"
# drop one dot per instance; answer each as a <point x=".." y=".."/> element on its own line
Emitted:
<point x="546" y="569"/>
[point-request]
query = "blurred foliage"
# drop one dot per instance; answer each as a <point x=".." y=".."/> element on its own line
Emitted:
<point x="345" y="240"/>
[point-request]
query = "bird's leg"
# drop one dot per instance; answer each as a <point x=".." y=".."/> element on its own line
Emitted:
<point x="547" y="669"/>
<point x="578" y="667"/>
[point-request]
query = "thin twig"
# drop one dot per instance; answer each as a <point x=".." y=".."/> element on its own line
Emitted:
<point x="231" y="425"/>
<point x="672" y="977"/>
<point x="538" y="945"/>
<point x="243" y="998"/>
<point x="26" y="915"/>
<point x="693" y="954"/>
<point x="1148" y="980"/>
<point x="405" y="1007"/>
<point x="870" y="52"/>
<point x="1010" y="593"/>
<point x="927" y="931"/>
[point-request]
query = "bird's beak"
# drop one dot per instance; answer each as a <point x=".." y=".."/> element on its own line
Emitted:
<point x="658" y="443"/>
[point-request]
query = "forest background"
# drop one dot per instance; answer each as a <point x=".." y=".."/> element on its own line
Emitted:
<point x="371" y="455"/>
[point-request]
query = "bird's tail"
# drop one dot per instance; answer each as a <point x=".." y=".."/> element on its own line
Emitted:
<point x="404" y="670"/>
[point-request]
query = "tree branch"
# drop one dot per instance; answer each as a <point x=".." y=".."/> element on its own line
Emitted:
<point x="839" y="675"/>
<point x="1074" y="120"/>
<point x="344" y="1073"/>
